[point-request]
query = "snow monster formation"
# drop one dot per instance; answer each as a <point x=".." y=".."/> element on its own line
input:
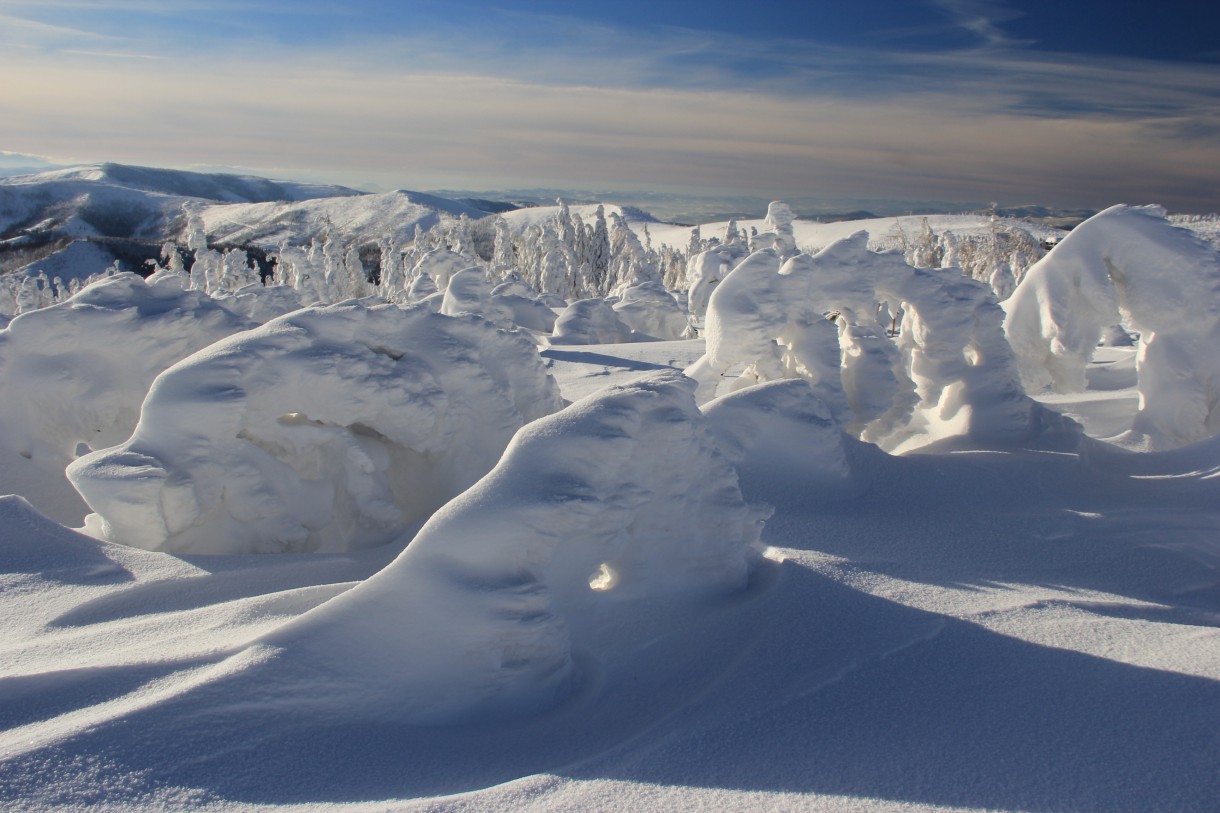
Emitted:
<point x="327" y="429"/>
<point x="950" y="372"/>
<point x="622" y="500"/>
<point x="1130" y="264"/>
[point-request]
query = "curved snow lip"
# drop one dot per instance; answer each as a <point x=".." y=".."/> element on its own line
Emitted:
<point x="594" y="519"/>
<point x="1127" y="264"/>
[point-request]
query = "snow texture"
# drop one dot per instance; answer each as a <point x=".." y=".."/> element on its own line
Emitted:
<point x="327" y="429"/>
<point x="1163" y="282"/>
<point x="621" y="498"/>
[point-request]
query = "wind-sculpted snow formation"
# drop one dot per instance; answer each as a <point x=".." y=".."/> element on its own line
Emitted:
<point x="468" y="291"/>
<point x="1130" y="264"/>
<point x="591" y="321"/>
<point x="622" y="498"/>
<point x="328" y="429"/>
<point x="650" y="310"/>
<point x="950" y="372"/>
<point x="704" y="272"/>
<point x="73" y="375"/>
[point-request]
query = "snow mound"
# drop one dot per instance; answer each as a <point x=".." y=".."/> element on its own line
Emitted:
<point x="619" y="498"/>
<point x="73" y="376"/>
<point x="469" y="291"/>
<point x="649" y="309"/>
<point x="327" y="429"/>
<point x="1163" y="282"/>
<point x="525" y="311"/>
<point x="591" y="321"/>
<point x="782" y="435"/>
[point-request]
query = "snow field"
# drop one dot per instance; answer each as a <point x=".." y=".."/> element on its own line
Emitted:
<point x="721" y="590"/>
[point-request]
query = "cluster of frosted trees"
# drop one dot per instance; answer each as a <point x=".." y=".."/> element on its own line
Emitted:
<point x="573" y="259"/>
<point x="564" y="256"/>
<point x="20" y="293"/>
<point x="1001" y="257"/>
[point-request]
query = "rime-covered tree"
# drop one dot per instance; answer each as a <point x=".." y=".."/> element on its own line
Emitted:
<point x="599" y="249"/>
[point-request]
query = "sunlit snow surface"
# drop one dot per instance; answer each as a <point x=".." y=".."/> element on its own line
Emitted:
<point x="1026" y="630"/>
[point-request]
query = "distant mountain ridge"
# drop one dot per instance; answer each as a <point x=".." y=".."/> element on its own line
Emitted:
<point x="220" y="187"/>
<point x="140" y="208"/>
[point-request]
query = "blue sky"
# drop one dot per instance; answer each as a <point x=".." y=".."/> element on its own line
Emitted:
<point x="1069" y="103"/>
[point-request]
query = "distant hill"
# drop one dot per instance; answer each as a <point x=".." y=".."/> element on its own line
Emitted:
<point x="109" y="205"/>
<point x="362" y="220"/>
<point x="183" y="183"/>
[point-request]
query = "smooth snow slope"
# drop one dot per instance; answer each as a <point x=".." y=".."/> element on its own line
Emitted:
<point x="118" y="200"/>
<point x="1018" y="631"/>
<point x="364" y="219"/>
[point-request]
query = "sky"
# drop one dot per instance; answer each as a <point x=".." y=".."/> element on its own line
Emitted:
<point x="1072" y="103"/>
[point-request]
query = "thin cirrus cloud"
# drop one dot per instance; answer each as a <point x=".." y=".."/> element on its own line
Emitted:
<point x="466" y="95"/>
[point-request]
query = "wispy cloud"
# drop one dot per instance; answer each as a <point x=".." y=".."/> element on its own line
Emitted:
<point x="21" y="30"/>
<point x="984" y="19"/>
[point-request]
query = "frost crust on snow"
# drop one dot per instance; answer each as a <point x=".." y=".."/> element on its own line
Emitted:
<point x="1131" y="264"/>
<point x="621" y="497"/>
<point x="328" y="429"/>
<point x="73" y="375"/>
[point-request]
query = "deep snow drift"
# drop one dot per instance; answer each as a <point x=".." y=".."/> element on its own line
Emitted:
<point x="482" y="615"/>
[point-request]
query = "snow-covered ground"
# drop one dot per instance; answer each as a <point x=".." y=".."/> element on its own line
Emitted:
<point x="502" y="568"/>
<point x="1018" y="630"/>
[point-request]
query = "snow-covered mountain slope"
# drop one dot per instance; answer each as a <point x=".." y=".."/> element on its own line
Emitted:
<point x="363" y="220"/>
<point x="39" y="212"/>
<point x="116" y="200"/>
<point x="186" y="184"/>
